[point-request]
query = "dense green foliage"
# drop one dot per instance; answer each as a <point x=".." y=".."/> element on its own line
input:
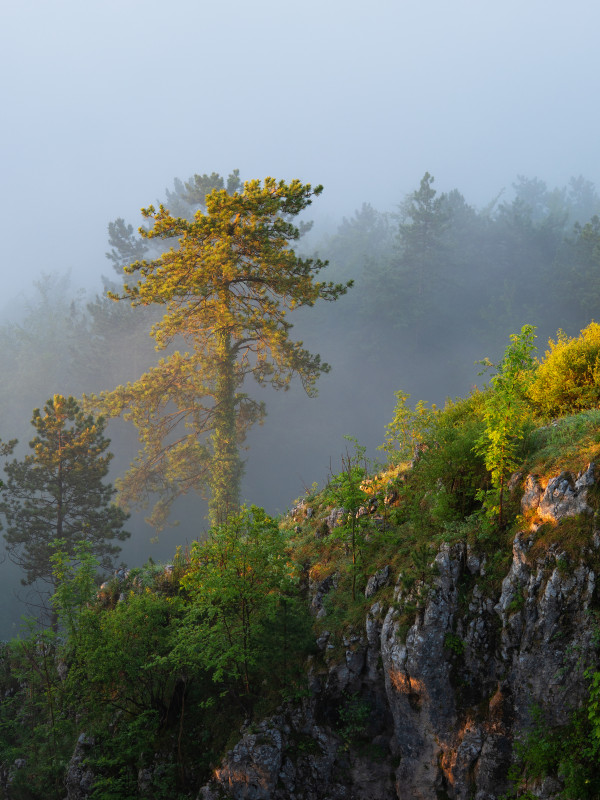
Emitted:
<point x="241" y="580"/>
<point x="159" y="666"/>
<point x="506" y="415"/>
<point x="141" y="665"/>
<point x="570" y="752"/>
<point x="449" y="474"/>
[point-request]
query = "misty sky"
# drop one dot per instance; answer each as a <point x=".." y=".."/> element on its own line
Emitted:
<point x="105" y="102"/>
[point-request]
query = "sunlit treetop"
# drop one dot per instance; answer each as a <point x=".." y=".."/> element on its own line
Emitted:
<point x="227" y="282"/>
<point x="234" y="272"/>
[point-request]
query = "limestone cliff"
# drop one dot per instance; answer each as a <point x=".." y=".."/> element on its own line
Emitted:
<point x="432" y="709"/>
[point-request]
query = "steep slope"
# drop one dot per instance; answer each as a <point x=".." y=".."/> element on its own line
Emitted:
<point x="435" y="709"/>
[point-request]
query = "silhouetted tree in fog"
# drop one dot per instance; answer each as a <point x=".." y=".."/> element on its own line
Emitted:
<point x="58" y="492"/>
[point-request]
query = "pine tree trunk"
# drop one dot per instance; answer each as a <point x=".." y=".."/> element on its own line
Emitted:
<point x="227" y="467"/>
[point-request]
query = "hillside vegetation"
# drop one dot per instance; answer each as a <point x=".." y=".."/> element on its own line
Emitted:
<point x="150" y="678"/>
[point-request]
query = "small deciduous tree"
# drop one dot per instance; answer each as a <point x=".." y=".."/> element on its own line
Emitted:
<point x="226" y="287"/>
<point x="237" y="580"/>
<point x="348" y="490"/>
<point x="408" y="429"/>
<point x="506" y="411"/>
<point x="58" y="492"/>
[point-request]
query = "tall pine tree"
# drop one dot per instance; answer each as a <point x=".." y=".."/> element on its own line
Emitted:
<point x="58" y="493"/>
<point x="226" y="283"/>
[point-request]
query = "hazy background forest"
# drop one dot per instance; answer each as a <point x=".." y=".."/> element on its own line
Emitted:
<point x="438" y="285"/>
<point x="108" y="104"/>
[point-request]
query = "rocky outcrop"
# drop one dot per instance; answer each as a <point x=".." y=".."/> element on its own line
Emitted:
<point x="283" y="754"/>
<point x="79" y="779"/>
<point x="563" y="496"/>
<point x="431" y="708"/>
<point x="292" y="757"/>
<point x="377" y="581"/>
<point x="319" y="592"/>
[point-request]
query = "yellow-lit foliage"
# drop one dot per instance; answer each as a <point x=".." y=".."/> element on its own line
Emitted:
<point x="377" y="483"/>
<point x="568" y="379"/>
<point x="226" y="284"/>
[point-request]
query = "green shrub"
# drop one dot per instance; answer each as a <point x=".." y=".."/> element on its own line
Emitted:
<point x="568" y="379"/>
<point x="33" y="724"/>
<point x="447" y="475"/>
<point x="354" y="714"/>
<point x="347" y="490"/>
<point x="408" y="428"/>
<point x="454" y="643"/>
<point x="569" y="752"/>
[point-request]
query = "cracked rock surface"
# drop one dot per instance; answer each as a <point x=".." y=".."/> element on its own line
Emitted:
<point x="446" y="697"/>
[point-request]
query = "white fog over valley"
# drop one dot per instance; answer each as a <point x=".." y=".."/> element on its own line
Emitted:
<point x="480" y="117"/>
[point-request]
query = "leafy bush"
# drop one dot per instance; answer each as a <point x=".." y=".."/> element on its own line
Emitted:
<point x="447" y="475"/>
<point x="142" y="675"/>
<point x="115" y="664"/>
<point x="241" y="581"/>
<point x="569" y="752"/>
<point x="454" y="643"/>
<point x="568" y="379"/>
<point x="408" y="428"/>
<point x="34" y="727"/>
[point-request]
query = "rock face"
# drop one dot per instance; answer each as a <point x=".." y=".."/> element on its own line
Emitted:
<point x="431" y="709"/>
<point x="377" y="581"/>
<point x="79" y="779"/>
<point x="564" y="495"/>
